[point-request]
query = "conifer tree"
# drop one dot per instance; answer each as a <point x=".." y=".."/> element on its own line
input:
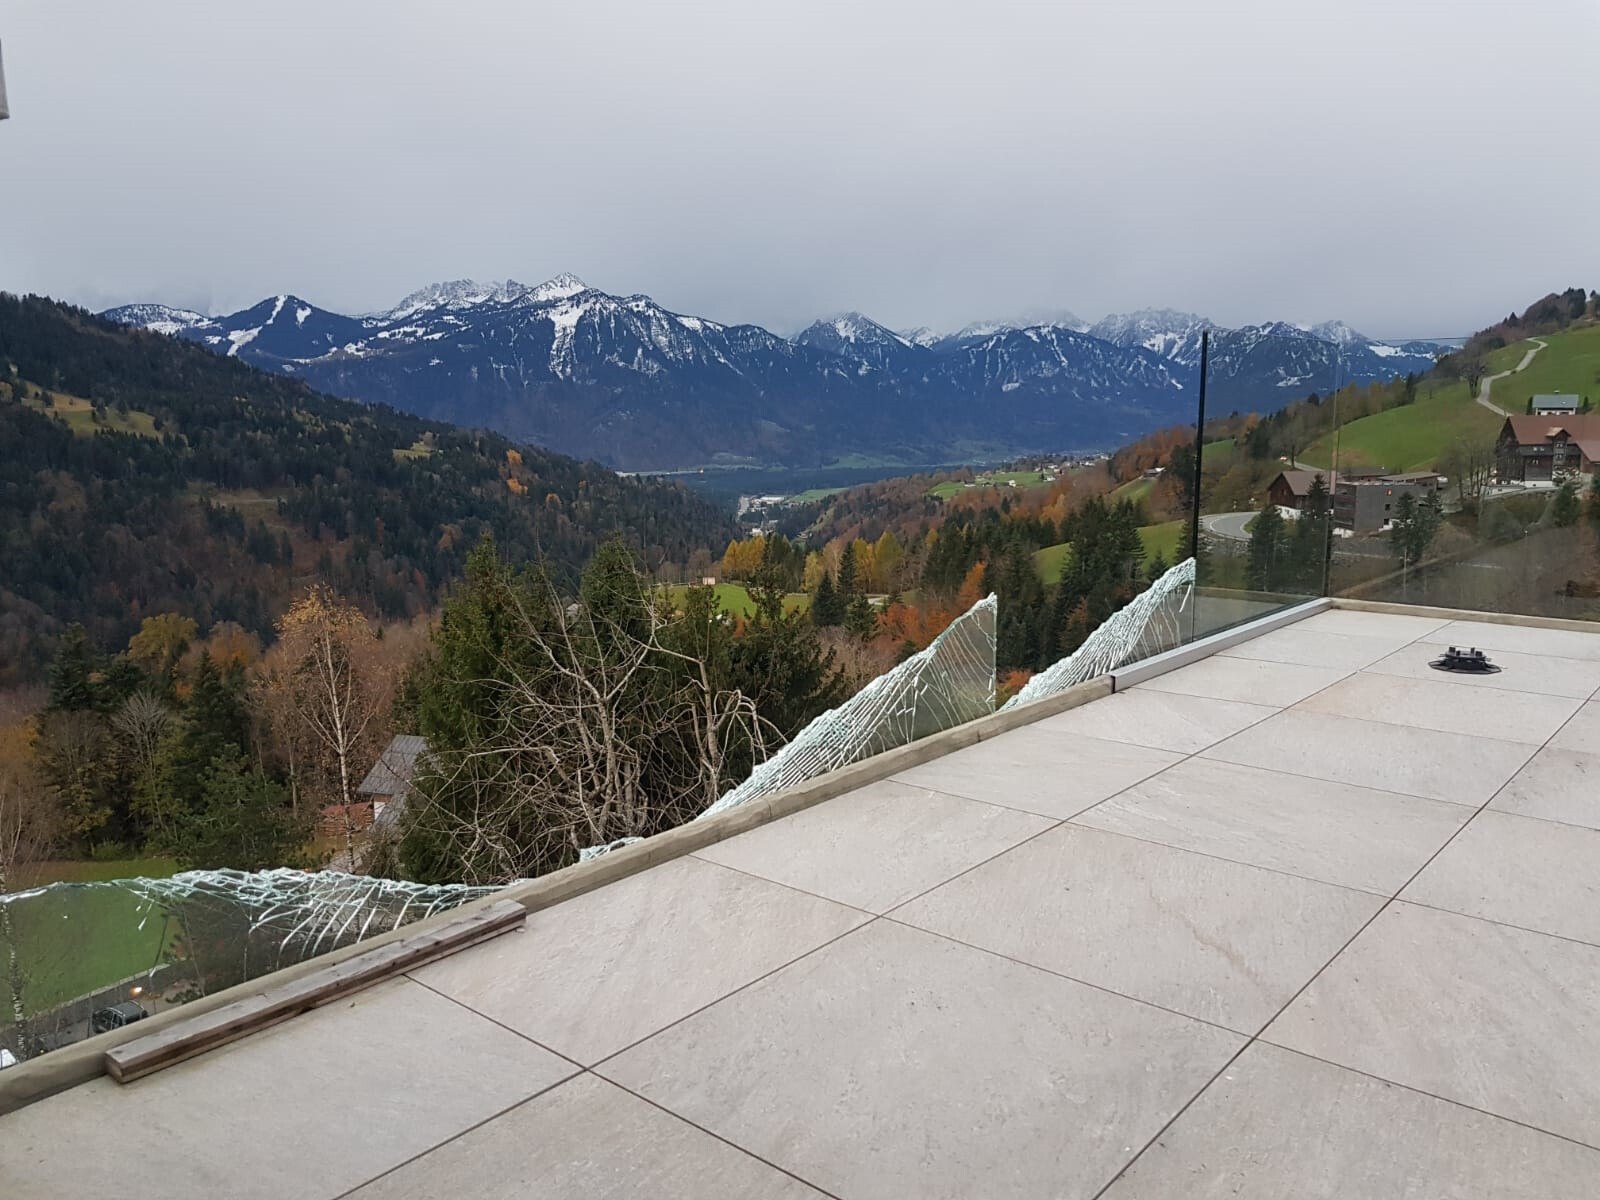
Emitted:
<point x="827" y="608"/>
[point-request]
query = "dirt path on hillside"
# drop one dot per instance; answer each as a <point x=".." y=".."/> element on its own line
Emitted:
<point x="1488" y="382"/>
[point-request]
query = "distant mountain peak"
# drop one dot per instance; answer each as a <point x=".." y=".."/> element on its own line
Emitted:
<point x="1053" y="318"/>
<point x="457" y="294"/>
<point x="158" y="318"/>
<point x="854" y="327"/>
<point x="1340" y="334"/>
<point x="560" y="288"/>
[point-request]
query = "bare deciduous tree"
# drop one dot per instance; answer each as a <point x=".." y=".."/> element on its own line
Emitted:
<point x="140" y="728"/>
<point x="1470" y="463"/>
<point x="605" y="732"/>
<point x="333" y="686"/>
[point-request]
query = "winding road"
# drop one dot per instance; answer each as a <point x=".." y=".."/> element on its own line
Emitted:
<point x="1488" y="381"/>
<point x="1228" y="525"/>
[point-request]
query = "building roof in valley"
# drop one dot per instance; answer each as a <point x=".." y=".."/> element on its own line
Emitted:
<point x="1300" y="481"/>
<point x="391" y="774"/>
<point x="1533" y="428"/>
<point x="1404" y="477"/>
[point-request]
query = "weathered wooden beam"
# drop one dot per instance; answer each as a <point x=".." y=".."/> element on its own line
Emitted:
<point x="185" y="1039"/>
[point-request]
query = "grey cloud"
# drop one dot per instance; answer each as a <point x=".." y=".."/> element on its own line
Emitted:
<point x="1411" y="167"/>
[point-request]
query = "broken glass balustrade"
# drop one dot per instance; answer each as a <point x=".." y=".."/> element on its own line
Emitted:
<point x="71" y="951"/>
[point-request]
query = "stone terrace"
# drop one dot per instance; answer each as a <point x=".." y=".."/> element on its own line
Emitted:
<point x="1303" y="919"/>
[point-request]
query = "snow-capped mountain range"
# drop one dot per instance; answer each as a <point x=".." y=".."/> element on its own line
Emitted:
<point x="637" y="386"/>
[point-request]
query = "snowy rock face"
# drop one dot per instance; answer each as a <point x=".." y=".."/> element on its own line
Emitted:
<point x="630" y="383"/>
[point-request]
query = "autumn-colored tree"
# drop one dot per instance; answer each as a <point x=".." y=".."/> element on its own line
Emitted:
<point x="232" y="646"/>
<point x="333" y="689"/>
<point x="743" y="558"/>
<point x="161" y="642"/>
<point x="816" y="568"/>
<point x="887" y="557"/>
<point x="972" y="589"/>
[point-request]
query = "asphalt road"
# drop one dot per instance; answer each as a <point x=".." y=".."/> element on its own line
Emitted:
<point x="1228" y="525"/>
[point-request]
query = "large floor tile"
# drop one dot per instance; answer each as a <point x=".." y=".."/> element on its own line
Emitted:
<point x="1280" y="1126"/>
<point x="601" y="971"/>
<point x="1582" y="733"/>
<point x="1310" y="648"/>
<point x="1257" y="681"/>
<point x="1546" y="674"/>
<point x="1213" y="939"/>
<point x="878" y="846"/>
<point x="1356" y="623"/>
<point x="1537" y="874"/>
<point x="1558" y="785"/>
<point x="1334" y="832"/>
<point x="1041" y="770"/>
<point x="894" y="1064"/>
<point x="586" y="1140"/>
<point x="1498" y="1018"/>
<point x="1159" y="719"/>
<point x="1448" y="707"/>
<point x="1520" y="639"/>
<point x="1456" y="767"/>
<point x="308" y="1108"/>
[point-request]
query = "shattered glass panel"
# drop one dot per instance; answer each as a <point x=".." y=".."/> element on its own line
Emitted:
<point x="76" y="958"/>
<point x="1148" y="624"/>
<point x="948" y="684"/>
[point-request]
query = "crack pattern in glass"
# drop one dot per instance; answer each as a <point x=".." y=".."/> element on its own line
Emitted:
<point x="68" y="951"/>
<point x="1148" y="624"/>
<point x="948" y="684"/>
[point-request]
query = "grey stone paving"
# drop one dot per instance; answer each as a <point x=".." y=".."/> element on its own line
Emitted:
<point x="1306" y="919"/>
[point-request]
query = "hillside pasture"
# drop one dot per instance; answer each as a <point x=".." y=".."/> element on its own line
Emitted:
<point x="991" y="479"/>
<point x="77" y="414"/>
<point x="1570" y="362"/>
<point x="735" y="599"/>
<point x="1413" y="437"/>
<point x="1163" y="539"/>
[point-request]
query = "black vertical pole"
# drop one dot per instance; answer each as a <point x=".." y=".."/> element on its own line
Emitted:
<point x="1199" y="442"/>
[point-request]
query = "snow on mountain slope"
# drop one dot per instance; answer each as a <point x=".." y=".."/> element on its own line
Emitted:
<point x="627" y="381"/>
<point x="1171" y="334"/>
<point x="855" y="336"/>
<point x="159" y="318"/>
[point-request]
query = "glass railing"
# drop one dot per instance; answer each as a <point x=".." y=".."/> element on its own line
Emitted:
<point x="1439" y="487"/>
<point x="77" y="959"/>
<point x="1266" y="478"/>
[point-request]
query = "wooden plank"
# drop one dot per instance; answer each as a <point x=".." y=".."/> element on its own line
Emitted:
<point x="185" y="1039"/>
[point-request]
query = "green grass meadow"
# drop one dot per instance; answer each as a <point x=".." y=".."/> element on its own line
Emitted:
<point x="734" y="598"/>
<point x="1162" y="539"/>
<point x="1569" y="363"/>
<point x="1411" y="438"/>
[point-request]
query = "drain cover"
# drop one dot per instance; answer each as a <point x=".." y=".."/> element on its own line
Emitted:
<point x="1470" y="661"/>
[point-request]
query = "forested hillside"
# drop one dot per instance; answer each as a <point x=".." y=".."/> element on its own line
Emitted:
<point x="140" y="475"/>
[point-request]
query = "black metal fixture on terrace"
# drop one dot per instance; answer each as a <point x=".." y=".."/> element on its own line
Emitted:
<point x="1471" y="661"/>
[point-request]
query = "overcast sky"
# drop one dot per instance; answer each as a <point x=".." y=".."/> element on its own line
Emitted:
<point x="1414" y="168"/>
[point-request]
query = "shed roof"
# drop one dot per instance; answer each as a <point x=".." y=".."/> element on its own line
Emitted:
<point x="391" y="774"/>
<point x="1300" y="481"/>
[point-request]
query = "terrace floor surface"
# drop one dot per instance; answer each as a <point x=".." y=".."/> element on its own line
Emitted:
<point x="1303" y="919"/>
